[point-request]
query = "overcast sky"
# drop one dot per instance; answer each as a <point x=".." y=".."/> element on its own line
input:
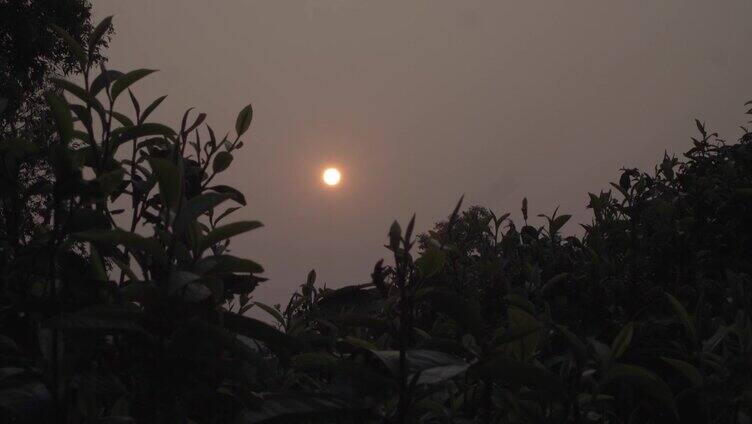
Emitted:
<point x="421" y="101"/>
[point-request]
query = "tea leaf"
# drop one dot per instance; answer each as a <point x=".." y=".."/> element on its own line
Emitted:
<point x="168" y="178"/>
<point x="622" y="340"/>
<point x="222" y="161"/>
<point x="243" y="120"/>
<point x="127" y="80"/>
<point x="227" y="231"/>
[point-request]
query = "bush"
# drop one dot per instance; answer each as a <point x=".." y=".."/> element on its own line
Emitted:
<point x="115" y="314"/>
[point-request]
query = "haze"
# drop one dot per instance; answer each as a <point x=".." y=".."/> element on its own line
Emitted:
<point x="419" y="102"/>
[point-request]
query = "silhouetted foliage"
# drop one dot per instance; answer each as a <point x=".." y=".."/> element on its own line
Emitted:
<point x="32" y="54"/>
<point x="125" y="304"/>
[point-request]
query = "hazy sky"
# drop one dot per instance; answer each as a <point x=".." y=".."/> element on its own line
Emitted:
<point x="421" y="101"/>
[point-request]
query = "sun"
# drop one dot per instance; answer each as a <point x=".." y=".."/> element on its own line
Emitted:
<point x="331" y="176"/>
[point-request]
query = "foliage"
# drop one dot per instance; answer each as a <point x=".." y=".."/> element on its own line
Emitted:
<point x="125" y="303"/>
<point x="32" y="54"/>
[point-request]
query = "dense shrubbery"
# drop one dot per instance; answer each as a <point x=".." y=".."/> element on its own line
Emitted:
<point x="123" y="304"/>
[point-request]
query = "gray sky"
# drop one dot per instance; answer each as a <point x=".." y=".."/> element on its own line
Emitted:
<point x="421" y="101"/>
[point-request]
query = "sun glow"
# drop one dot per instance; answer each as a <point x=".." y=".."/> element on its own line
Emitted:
<point x="331" y="177"/>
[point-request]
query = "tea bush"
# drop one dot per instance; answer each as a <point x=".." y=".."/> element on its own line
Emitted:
<point x="124" y="304"/>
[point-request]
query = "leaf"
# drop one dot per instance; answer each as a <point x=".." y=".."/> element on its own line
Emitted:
<point x="686" y="369"/>
<point x="441" y="373"/>
<point x="195" y="292"/>
<point x="221" y="161"/>
<point x="683" y="315"/>
<point x="81" y="113"/>
<point x="230" y="341"/>
<point x="8" y="346"/>
<point x="450" y="346"/>
<point x="557" y="223"/>
<point x="103" y="80"/>
<point x="127" y="80"/>
<point x="457" y="308"/>
<point x="410" y="227"/>
<point x="455" y="213"/>
<point x="314" y="361"/>
<point x="395" y="234"/>
<point x="227" y="263"/>
<point x="110" y="181"/>
<point x="428" y="366"/>
<point x="62" y="114"/>
<point x="228" y="231"/>
<point x="25" y="400"/>
<point x="710" y="344"/>
<point x="136" y="105"/>
<point x="553" y="282"/>
<point x="523" y="330"/>
<point x="77" y="50"/>
<point x="243" y="120"/>
<point x="149" y="109"/>
<point x="643" y="380"/>
<point x="130" y="240"/>
<point x="18" y="147"/>
<point x="126" y="269"/>
<point x="122" y="119"/>
<point x="517" y="333"/>
<point x="170" y="185"/>
<point x="431" y="261"/>
<point x="142" y="130"/>
<point x="180" y="279"/>
<point x="88" y="323"/>
<point x="518" y="374"/>
<point x="263" y="332"/>
<point x="621" y="342"/>
<point x="700" y="127"/>
<point x="97" y="271"/>
<point x="578" y="348"/>
<point x="97" y="34"/>
<point x="273" y="312"/>
<point x="362" y="320"/>
<point x="235" y="194"/>
<point x="351" y="344"/>
<point x="80" y="93"/>
<point x="196" y="207"/>
<point x="199" y="120"/>
<point x="224" y="214"/>
<point x="356" y="297"/>
<point x="300" y="407"/>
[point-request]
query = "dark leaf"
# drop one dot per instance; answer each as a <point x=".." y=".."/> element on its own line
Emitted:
<point x="243" y="120"/>
<point x="127" y="80"/>
<point x="642" y="380"/>
<point x="196" y="207"/>
<point x="149" y="109"/>
<point x="227" y="231"/>
<point x="62" y="114"/>
<point x="518" y="374"/>
<point x="234" y="193"/>
<point x="300" y="407"/>
<point x="262" y="332"/>
<point x="97" y="34"/>
<point x="221" y="161"/>
<point x="168" y="177"/>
